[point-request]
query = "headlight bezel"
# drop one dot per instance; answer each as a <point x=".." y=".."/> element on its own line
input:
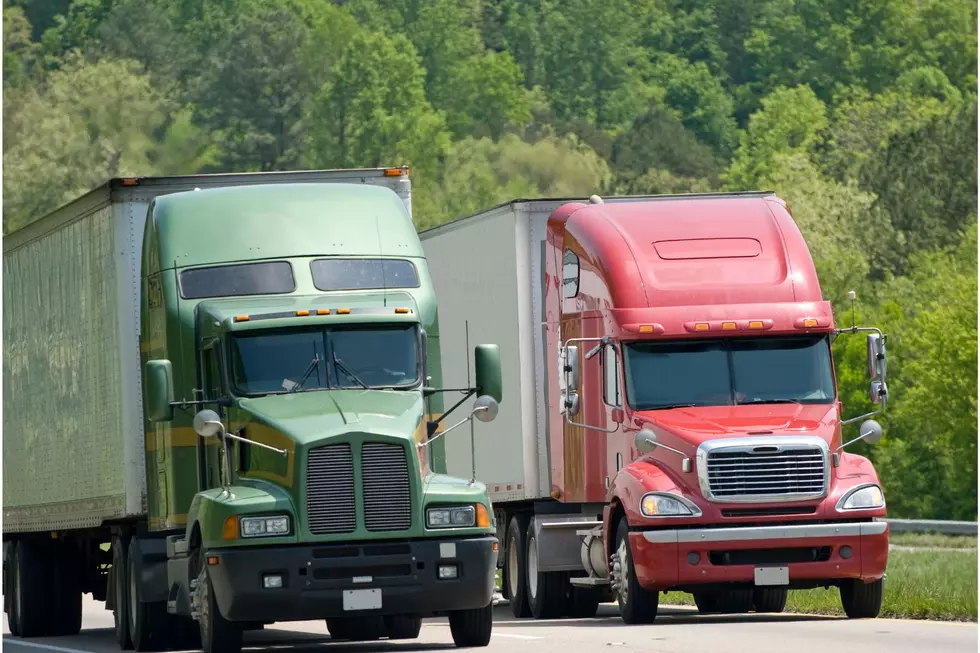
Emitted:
<point x="264" y="521"/>
<point x="693" y="511"/>
<point x="854" y="491"/>
<point x="468" y="510"/>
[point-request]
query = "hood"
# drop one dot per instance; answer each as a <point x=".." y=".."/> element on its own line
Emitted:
<point x="696" y="425"/>
<point x="312" y="416"/>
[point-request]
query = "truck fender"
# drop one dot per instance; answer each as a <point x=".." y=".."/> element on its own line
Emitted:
<point x="628" y="487"/>
<point x="152" y="552"/>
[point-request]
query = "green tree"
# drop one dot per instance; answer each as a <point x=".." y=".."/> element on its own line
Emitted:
<point x="18" y="49"/>
<point x="373" y="111"/>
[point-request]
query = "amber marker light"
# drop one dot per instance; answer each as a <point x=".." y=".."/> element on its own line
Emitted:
<point x="728" y="326"/>
<point x="646" y="328"/>
<point x="343" y="311"/>
<point x="401" y="310"/>
<point x="323" y="311"/>
<point x="482" y="516"/>
<point x="230" y="529"/>
<point x="395" y="172"/>
<point x="809" y="322"/>
<point x="702" y="326"/>
<point x="241" y="318"/>
<point x="755" y="324"/>
<point x="302" y="313"/>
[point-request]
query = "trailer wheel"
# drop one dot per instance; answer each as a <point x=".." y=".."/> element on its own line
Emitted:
<point x="32" y="584"/>
<point x="218" y="635"/>
<point x="120" y="591"/>
<point x="637" y="605"/>
<point x="10" y="588"/>
<point x="148" y="622"/>
<point x="770" y="599"/>
<point x="65" y="616"/>
<point x="516" y="576"/>
<point x="545" y="589"/>
<point x="471" y="628"/>
<point x="862" y="600"/>
<point x="582" y="602"/>
<point x="402" y="627"/>
<point x="707" y="602"/>
<point x="339" y="629"/>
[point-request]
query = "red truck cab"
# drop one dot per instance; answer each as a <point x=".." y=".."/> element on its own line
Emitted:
<point x="695" y="353"/>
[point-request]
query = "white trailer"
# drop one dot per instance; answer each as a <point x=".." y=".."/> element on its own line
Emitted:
<point x="73" y="449"/>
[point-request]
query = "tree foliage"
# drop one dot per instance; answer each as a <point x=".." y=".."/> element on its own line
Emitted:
<point x="860" y="113"/>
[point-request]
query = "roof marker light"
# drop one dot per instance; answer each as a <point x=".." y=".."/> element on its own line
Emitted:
<point x="728" y="326"/>
<point x="302" y="313"/>
<point x="323" y="311"/>
<point x="810" y="322"/>
<point x="343" y="311"/>
<point x="395" y="172"/>
<point x="241" y="318"/>
<point x="646" y="328"/>
<point x="401" y="310"/>
<point x="756" y="324"/>
<point x="702" y="326"/>
<point x="129" y="181"/>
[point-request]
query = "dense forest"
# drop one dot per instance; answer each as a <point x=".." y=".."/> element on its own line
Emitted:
<point x="862" y="114"/>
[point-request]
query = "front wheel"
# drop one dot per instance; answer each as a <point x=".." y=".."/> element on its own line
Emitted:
<point x="403" y="627"/>
<point x="862" y="600"/>
<point x="769" y="600"/>
<point x="471" y="628"/>
<point x="637" y="605"/>
<point x="218" y="635"/>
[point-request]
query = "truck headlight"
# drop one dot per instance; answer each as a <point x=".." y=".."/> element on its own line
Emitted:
<point x="265" y="526"/>
<point x="450" y="517"/>
<point x="665" y="504"/>
<point x="864" y="497"/>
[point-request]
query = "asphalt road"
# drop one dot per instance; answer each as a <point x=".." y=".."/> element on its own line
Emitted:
<point x="678" y="630"/>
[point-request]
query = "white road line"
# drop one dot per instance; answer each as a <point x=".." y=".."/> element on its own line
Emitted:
<point x="515" y="636"/>
<point x="17" y="642"/>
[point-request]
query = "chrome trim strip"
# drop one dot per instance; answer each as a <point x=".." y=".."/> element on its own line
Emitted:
<point x="802" y="531"/>
<point x="783" y="442"/>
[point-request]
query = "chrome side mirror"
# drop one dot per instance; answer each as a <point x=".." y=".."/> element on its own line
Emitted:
<point x="871" y="432"/>
<point x="645" y="441"/>
<point x="878" y="391"/>
<point x="876" y="357"/>
<point x="485" y="408"/>
<point x="208" y="424"/>
<point x="571" y="368"/>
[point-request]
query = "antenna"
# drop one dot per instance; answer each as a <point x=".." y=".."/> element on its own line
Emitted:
<point x="852" y="296"/>
<point x="472" y="427"/>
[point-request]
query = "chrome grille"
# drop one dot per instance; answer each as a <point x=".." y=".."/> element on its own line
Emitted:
<point x="386" y="487"/>
<point x="765" y="471"/>
<point x="330" y="506"/>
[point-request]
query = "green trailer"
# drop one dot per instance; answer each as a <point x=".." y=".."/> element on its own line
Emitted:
<point x="221" y="409"/>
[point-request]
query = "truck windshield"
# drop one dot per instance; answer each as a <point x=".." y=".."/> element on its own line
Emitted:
<point x="365" y="356"/>
<point x="729" y="372"/>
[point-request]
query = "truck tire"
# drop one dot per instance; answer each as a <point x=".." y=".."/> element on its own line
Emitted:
<point x="735" y="601"/>
<point x="357" y="629"/>
<point x="148" y="622"/>
<point x="10" y="588"/>
<point x="769" y="599"/>
<point x="581" y="602"/>
<point x="516" y="575"/>
<point x="65" y="615"/>
<point x="32" y="584"/>
<point x="545" y="589"/>
<point x="471" y="628"/>
<point x="862" y="600"/>
<point x="120" y="591"/>
<point x="218" y="635"/>
<point x="401" y="627"/>
<point x="637" y="605"/>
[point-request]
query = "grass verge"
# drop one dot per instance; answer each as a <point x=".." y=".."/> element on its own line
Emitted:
<point x="933" y="540"/>
<point x="919" y="585"/>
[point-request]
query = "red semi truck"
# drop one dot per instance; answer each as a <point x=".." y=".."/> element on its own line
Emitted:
<point x="675" y="422"/>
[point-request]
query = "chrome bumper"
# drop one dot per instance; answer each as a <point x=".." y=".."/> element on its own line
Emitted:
<point x="795" y="532"/>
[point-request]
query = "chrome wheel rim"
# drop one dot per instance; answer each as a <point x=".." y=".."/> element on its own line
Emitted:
<point x="622" y="572"/>
<point x="532" y="567"/>
<point x="512" y="567"/>
<point x="132" y="599"/>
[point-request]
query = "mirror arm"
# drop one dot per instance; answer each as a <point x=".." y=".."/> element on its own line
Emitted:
<point x="459" y="423"/>
<point x="469" y="393"/>
<point x="226" y="434"/>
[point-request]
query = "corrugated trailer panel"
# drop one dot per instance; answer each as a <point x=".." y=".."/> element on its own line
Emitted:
<point x="72" y="432"/>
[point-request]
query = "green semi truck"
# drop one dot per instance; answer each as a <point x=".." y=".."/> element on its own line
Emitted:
<point x="221" y="410"/>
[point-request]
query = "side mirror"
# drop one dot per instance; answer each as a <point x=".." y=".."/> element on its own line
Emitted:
<point x="871" y="432"/>
<point x="207" y="423"/>
<point x="571" y="368"/>
<point x="878" y="392"/>
<point x="876" y="357"/>
<point x="159" y="391"/>
<point x="571" y="404"/>
<point x="485" y="408"/>
<point x="488" y="381"/>
<point x="645" y="441"/>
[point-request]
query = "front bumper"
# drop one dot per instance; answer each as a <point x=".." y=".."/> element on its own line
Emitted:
<point x="316" y="577"/>
<point x="814" y="554"/>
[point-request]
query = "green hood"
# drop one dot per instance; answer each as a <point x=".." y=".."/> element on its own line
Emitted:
<point x="309" y="417"/>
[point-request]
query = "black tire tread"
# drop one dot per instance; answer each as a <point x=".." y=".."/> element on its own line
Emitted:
<point x="862" y="600"/>
<point x="403" y="627"/>
<point x="120" y="613"/>
<point x="224" y="636"/>
<point x="36" y="583"/>
<point x="769" y="600"/>
<point x="471" y="628"/>
<point x="520" y="605"/>
<point x="550" y="601"/>
<point x="643" y="604"/>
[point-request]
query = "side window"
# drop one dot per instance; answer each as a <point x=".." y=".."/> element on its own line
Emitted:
<point x="570" y="273"/>
<point x="611" y="389"/>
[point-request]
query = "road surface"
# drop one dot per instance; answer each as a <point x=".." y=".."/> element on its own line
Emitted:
<point x="678" y="630"/>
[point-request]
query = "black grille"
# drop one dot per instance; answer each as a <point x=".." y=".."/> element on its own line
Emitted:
<point x="770" y="556"/>
<point x="330" y="505"/>
<point x="798" y="472"/>
<point x="386" y="487"/>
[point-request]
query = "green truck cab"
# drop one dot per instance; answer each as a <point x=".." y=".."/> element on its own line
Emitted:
<point x="289" y="357"/>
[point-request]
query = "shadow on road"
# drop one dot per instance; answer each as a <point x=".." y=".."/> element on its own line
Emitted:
<point x="608" y="615"/>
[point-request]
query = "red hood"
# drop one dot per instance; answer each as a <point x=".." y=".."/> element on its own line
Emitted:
<point x="696" y="425"/>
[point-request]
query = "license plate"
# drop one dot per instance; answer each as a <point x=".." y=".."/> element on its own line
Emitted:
<point x="772" y="575"/>
<point x="362" y="599"/>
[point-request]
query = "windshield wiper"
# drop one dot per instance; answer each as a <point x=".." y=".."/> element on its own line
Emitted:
<point x="346" y="370"/>
<point x="306" y="375"/>
<point x="770" y="401"/>
<point x="669" y="406"/>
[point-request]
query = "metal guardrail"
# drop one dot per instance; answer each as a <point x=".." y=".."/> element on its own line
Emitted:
<point x="932" y="526"/>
